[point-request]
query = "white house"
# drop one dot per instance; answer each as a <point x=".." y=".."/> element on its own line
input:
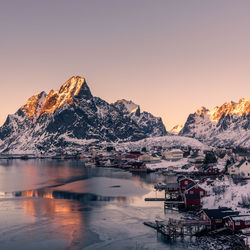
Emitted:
<point x="241" y="169"/>
<point x="148" y="158"/>
<point x="173" y="155"/>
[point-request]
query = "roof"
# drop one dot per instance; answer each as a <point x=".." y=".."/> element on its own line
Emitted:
<point x="192" y="196"/>
<point x="190" y="185"/>
<point x="238" y="165"/>
<point x="176" y="150"/>
<point x="172" y="185"/>
<point x="239" y="217"/>
<point x="184" y="178"/>
<point x="244" y="153"/>
<point x="180" y="177"/>
<point x="193" y="156"/>
<point x="219" y="213"/>
<point x="206" y="167"/>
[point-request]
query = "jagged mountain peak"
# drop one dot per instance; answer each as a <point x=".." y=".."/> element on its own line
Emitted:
<point x="72" y="86"/>
<point x="176" y="129"/>
<point x="75" y="88"/>
<point x="202" y="111"/>
<point x="130" y="106"/>
<point x="227" y="124"/>
<point x="230" y="108"/>
<point x="33" y="106"/>
<point x="149" y="124"/>
<point x="71" y="117"/>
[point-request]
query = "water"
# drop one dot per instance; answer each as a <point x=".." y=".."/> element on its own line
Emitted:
<point x="62" y="205"/>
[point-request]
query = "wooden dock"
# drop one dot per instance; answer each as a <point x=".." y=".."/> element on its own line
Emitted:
<point x="150" y="224"/>
<point x="173" y="205"/>
<point x="178" y="228"/>
<point x="154" y="199"/>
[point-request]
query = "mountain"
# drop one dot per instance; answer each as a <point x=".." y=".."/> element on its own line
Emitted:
<point x="176" y="129"/>
<point x="227" y="125"/>
<point x="71" y="117"/>
<point x="149" y="124"/>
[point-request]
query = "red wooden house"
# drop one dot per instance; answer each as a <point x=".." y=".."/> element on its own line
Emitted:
<point x="215" y="217"/>
<point x="237" y="222"/>
<point x="183" y="182"/>
<point x="194" y="188"/>
<point x="192" y="200"/>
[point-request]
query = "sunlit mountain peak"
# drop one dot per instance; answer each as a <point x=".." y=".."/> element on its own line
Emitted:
<point x="202" y="111"/>
<point x="42" y="103"/>
<point x="176" y="129"/>
<point x="240" y="108"/>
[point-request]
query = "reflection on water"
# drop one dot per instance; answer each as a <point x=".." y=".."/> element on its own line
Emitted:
<point x="56" y="194"/>
<point x="62" y="205"/>
<point x="64" y="219"/>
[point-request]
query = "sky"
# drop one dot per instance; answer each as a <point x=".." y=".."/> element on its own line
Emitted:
<point x="170" y="57"/>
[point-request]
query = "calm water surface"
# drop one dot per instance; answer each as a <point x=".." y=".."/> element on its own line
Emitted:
<point x="62" y="205"/>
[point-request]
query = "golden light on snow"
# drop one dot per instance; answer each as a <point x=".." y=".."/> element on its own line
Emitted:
<point x="55" y="99"/>
<point x="241" y="108"/>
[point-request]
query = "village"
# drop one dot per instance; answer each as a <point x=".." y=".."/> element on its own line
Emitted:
<point x="210" y="187"/>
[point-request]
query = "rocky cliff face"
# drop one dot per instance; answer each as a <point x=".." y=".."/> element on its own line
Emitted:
<point x="69" y="118"/>
<point x="227" y="125"/>
<point x="149" y="124"/>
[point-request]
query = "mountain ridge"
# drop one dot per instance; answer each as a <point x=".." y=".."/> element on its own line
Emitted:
<point x="64" y="117"/>
<point x="226" y="125"/>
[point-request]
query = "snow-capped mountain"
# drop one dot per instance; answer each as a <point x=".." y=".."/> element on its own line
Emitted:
<point x="149" y="124"/>
<point x="176" y="129"/>
<point x="71" y="117"/>
<point x="227" y="125"/>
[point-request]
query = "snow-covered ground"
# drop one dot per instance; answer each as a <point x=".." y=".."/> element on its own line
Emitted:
<point x="225" y="193"/>
<point x="167" y="141"/>
<point x="166" y="164"/>
<point x="221" y="164"/>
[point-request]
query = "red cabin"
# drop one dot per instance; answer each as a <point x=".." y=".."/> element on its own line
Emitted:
<point x="185" y="182"/>
<point x="237" y="222"/>
<point x="131" y="156"/>
<point x="192" y="200"/>
<point x="215" y="217"/>
<point x="194" y="188"/>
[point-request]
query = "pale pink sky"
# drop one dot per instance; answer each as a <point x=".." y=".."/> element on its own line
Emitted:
<point x="171" y="57"/>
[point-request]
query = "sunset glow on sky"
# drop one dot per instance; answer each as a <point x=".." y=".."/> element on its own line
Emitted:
<point x="170" y="57"/>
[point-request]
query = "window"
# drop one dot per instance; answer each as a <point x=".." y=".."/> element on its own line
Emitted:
<point x="218" y="221"/>
<point x="191" y="192"/>
<point x="247" y="222"/>
<point x="237" y="223"/>
<point x="201" y="193"/>
<point x="186" y="182"/>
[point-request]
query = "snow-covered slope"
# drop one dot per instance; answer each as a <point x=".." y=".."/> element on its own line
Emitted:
<point x="69" y="118"/>
<point x="227" y="125"/>
<point x="167" y="141"/>
<point x="225" y="193"/>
